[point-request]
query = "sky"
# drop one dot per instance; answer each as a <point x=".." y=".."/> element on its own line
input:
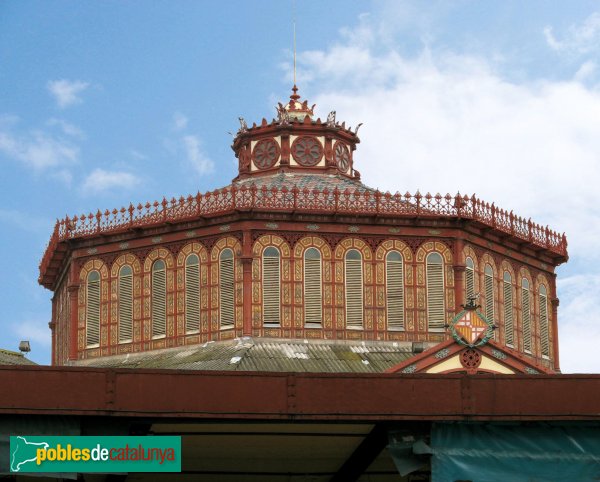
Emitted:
<point x="107" y="103"/>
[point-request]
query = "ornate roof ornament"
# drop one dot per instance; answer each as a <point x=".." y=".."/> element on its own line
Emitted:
<point x="295" y="109"/>
<point x="243" y="126"/>
<point x="283" y="116"/>
<point x="331" y="119"/>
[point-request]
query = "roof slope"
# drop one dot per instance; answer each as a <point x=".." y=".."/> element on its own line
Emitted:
<point x="8" y="357"/>
<point x="267" y="355"/>
<point x="303" y="181"/>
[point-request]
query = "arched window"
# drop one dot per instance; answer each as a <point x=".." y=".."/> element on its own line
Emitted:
<point x="544" y="335"/>
<point x="313" y="291"/>
<point x="469" y="278"/>
<point x="508" y="309"/>
<point x="271" y="286"/>
<point x="394" y="290"/>
<point x="92" y="311"/>
<point x="354" y="289"/>
<point x="125" y="297"/>
<point x="526" y="313"/>
<point x="192" y="294"/>
<point x="226" y="289"/>
<point x="159" y="299"/>
<point x="435" y="291"/>
<point x="488" y="274"/>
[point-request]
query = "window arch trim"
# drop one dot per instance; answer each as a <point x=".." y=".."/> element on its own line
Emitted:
<point x="394" y="290"/>
<point x="353" y="289"/>
<point x="435" y="291"/>
<point x="313" y="287"/>
<point x="93" y="313"/>
<point x="271" y="286"/>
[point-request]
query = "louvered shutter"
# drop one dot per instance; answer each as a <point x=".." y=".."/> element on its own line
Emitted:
<point x="489" y="293"/>
<point x="271" y="285"/>
<point x="93" y="309"/>
<point x="526" y="319"/>
<point x="435" y="291"/>
<point x="192" y="294"/>
<point x="544" y="335"/>
<point x="394" y="285"/>
<point x="354" y="292"/>
<point x="508" y="312"/>
<point x="125" y="305"/>
<point x="159" y="301"/>
<point x="226" y="280"/>
<point x="470" y="278"/>
<point x="313" y="294"/>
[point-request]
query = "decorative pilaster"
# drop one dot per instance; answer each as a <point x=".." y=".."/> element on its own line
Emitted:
<point x="73" y="290"/>
<point x="459" y="275"/>
<point x="555" y="360"/>
<point x="246" y="260"/>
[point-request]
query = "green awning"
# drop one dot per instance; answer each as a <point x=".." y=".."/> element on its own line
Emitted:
<point x="523" y="452"/>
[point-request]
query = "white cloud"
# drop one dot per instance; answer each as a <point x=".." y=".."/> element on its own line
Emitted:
<point x="444" y="122"/>
<point x="38" y="149"/>
<point x="66" y="92"/>
<point x="100" y="180"/>
<point x="579" y="39"/>
<point x="138" y="155"/>
<point x="180" y="121"/>
<point x="586" y="71"/>
<point x="579" y="323"/>
<point x="66" y="127"/>
<point x="63" y="175"/>
<point x="201" y="163"/>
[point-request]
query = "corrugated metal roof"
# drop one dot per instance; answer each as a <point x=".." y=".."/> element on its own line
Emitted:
<point x="8" y="357"/>
<point x="266" y="354"/>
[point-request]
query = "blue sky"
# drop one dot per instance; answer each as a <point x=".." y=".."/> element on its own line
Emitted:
<point x="106" y="103"/>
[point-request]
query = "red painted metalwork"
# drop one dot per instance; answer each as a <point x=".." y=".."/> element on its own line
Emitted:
<point x="327" y="199"/>
<point x="365" y="203"/>
<point x="297" y="396"/>
<point x="265" y="154"/>
<point x="503" y="355"/>
<point x="470" y="359"/>
<point x="307" y="151"/>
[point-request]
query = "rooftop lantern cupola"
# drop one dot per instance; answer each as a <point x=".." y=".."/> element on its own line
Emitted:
<point x="296" y="142"/>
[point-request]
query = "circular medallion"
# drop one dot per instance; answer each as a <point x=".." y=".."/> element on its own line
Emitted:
<point x="307" y="151"/>
<point x="265" y="153"/>
<point x="342" y="156"/>
<point x="470" y="359"/>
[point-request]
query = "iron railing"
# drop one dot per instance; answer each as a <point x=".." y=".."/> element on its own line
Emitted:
<point x="352" y="202"/>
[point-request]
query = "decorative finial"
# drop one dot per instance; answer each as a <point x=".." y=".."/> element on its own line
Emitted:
<point x="471" y="304"/>
<point x="295" y="95"/>
<point x="296" y="109"/>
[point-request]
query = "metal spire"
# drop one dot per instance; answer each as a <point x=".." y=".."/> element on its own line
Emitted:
<point x="294" y="23"/>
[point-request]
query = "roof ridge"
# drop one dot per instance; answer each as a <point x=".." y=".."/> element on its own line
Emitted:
<point x="10" y="352"/>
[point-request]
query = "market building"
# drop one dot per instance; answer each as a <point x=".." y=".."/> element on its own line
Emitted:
<point x="298" y="325"/>
<point x="298" y="251"/>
